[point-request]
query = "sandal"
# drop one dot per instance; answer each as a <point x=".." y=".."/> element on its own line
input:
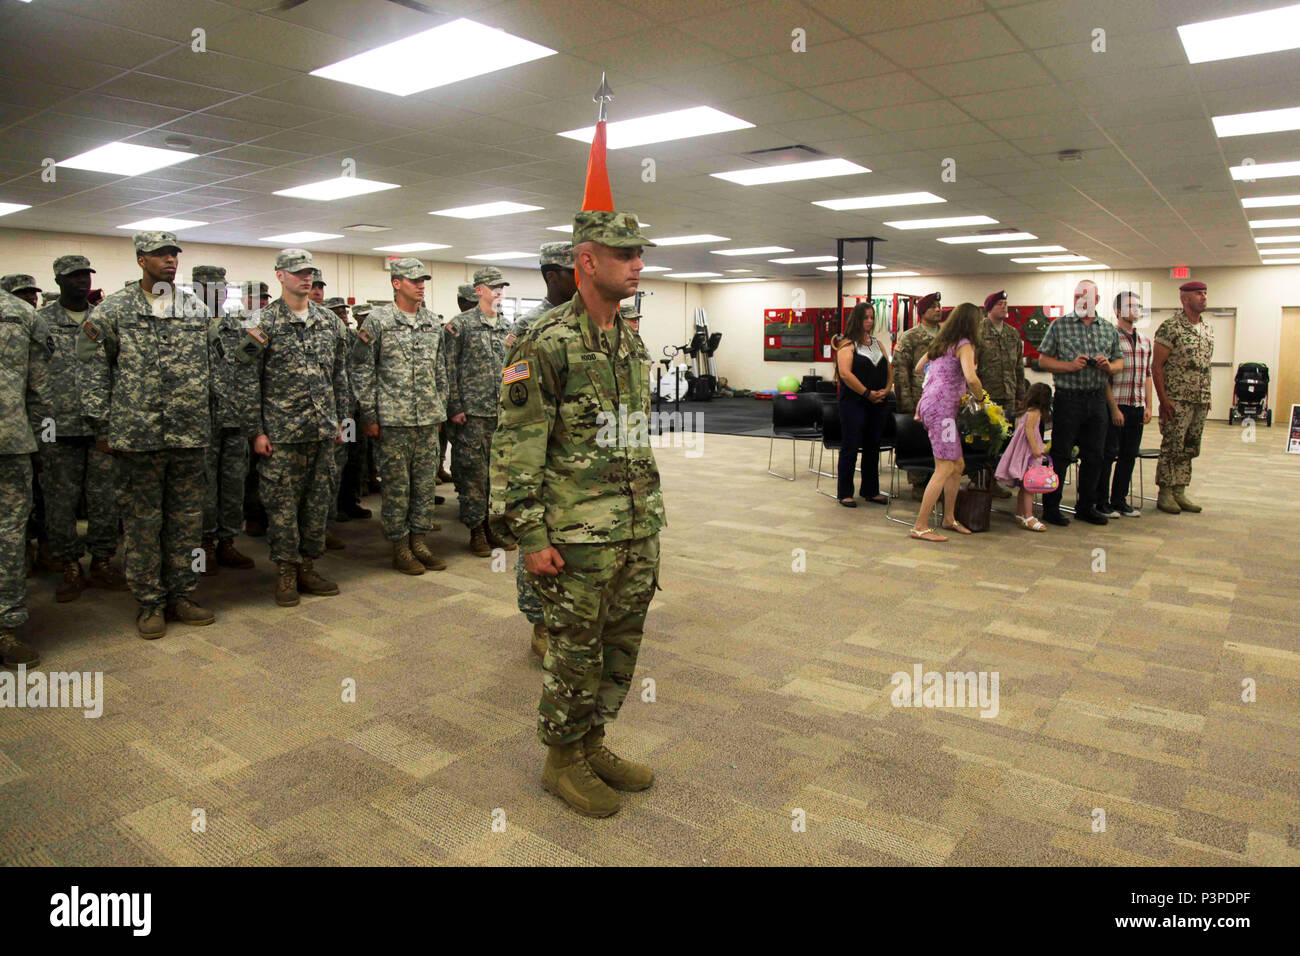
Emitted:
<point x="929" y="534"/>
<point x="1031" y="523"/>
<point x="958" y="527"/>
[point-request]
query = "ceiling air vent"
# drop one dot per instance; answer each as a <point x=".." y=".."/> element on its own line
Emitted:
<point x="365" y="227"/>
<point x="780" y="155"/>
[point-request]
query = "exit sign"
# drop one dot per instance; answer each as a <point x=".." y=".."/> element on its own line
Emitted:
<point x="1180" y="272"/>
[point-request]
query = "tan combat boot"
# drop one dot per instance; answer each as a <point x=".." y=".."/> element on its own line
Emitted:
<point x="209" y="557"/>
<point x="14" y="652"/>
<point x="568" y="775"/>
<point x="71" y="584"/>
<point x="104" y="575"/>
<point x="333" y="542"/>
<point x="495" y="540"/>
<point x="286" y="584"/>
<point x="310" y="582"/>
<point x="404" y="560"/>
<point x="614" y="770"/>
<point x="420" y="549"/>
<point x="478" y="542"/>
<point x="228" y="556"/>
<point x="151" y="623"/>
<point x="187" y="612"/>
<point x="1166" y="502"/>
<point x="1187" y="504"/>
<point x="541" y="639"/>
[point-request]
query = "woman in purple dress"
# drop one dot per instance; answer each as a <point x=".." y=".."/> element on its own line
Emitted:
<point x="952" y="374"/>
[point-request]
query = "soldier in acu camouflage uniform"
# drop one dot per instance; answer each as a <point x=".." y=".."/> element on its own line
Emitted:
<point x="71" y="465"/>
<point x="348" y="504"/>
<point x="318" y="284"/>
<point x="339" y="306"/>
<point x="1000" y="365"/>
<point x="23" y="286"/>
<point x="226" y="461"/>
<point x="475" y="357"/>
<point x="1180" y="368"/>
<point x="399" y="365"/>
<point x="145" y="381"/>
<point x="909" y="348"/>
<point x="465" y="301"/>
<point x="586" y="512"/>
<point x="296" y="400"/>
<point x="16" y="446"/>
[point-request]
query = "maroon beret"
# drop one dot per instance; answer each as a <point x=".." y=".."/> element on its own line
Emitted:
<point x="926" y="302"/>
<point x="1192" y="287"/>
<point x="994" y="299"/>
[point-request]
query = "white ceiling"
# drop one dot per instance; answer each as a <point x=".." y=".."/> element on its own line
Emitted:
<point x="896" y="85"/>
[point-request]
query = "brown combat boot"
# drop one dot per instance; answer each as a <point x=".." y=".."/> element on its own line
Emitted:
<point x="45" y="560"/>
<point x="496" y="541"/>
<point x="333" y="542"/>
<point x="187" y="612"/>
<point x="310" y="582"/>
<point x="478" y="542"/>
<point x="228" y="556"/>
<point x="14" y="652"/>
<point x="151" y="623"/>
<point x="1187" y="504"/>
<point x="420" y="549"/>
<point x="1165" y="501"/>
<point x="614" y="770"/>
<point x="444" y="476"/>
<point x="71" y="584"/>
<point x="568" y="775"/>
<point x="286" y="584"/>
<point x="209" y="557"/>
<point x="104" y="575"/>
<point x="541" y="639"/>
<point x="404" y="560"/>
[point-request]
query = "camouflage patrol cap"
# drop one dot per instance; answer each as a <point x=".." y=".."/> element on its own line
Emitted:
<point x="295" y="260"/>
<point x="557" y="254"/>
<point x="489" y="276"/>
<point x="629" y="313"/>
<point x="66" y="265"/>
<point x="18" y="281"/>
<point x="465" y="291"/>
<point x="208" y="274"/>
<point x="256" y="288"/>
<point x="362" y="310"/>
<point x="336" y="302"/>
<point x="146" y="242"/>
<point x="408" y="267"/>
<point x="317" y="278"/>
<point x="615" y="229"/>
<point x="48" y="297"/>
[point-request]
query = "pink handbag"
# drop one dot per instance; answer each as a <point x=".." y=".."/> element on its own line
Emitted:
<point x="1040" y="479"/>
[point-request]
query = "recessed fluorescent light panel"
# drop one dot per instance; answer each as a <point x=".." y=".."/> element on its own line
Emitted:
<point x="692" y="275"/>
<point x="1263" y="202"/>
<point x="737" y="280"/>
<point x="876" y="202"/>
<point x="1264" y="171"/>
<point x="493" y="256"/>
<point x="687" y="240"/>
<point x="484" y="210"/>
<point x="126" y="159"/>
<point x="1265" y="121"/>
<point x="661" y="127"/>
<point x="656" y="268"/>
<point x="1053" y="259"/>
<point x="739" y="270"/>
<point x="1012" y="250"/>
<point x="164" y="225"/>
<point x="1272" y="223"/>
<point x="891" y="275"/>
<point x="1003" y="237"/>
<point x="1281" y="262"/>
<point x="942" y="223"/>
<point x="7" y="207"/>
<point x="289" y="238"/>
<point x="448" y="53"/>
<point x="752" y="251"/>
<point x="1090" y="267"/>
<point x="1285" y="250"/>
<point x="791" y="172"/>
<point x="412" y="247"/>
<point x="800" y="260"/>
<point x="340" y="188"/>
<point x="1247" y="35"/>
<point x="1262" y="240"/>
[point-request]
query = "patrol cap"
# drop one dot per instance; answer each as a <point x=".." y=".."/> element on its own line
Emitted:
<point x="408" y="267"/>
<point x="489" y="276"/>
<point x="208" y="274"/>
<point x="146" y="242"/>
<point x="1192" y="287"/>
<point x="629" y="313"/>
<point x="993" y="299"/>
<point x="362" y="310"/>
<point x="316" y="277"/>
<point x="295" y="260"/>
<point x="557" y="254"/>
<point x="616" y="229"/>
<point x="926" y="303"/>
<point x="66" y="265"/>
<point x="465" y="291"/>
<point x="336" y="302"/>
<point x="256" y="288"/>
<point x="17" y="282"/>
<point x="48" y="297"/>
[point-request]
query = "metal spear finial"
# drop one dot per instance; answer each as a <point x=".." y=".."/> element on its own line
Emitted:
<point x="603" y="95"/>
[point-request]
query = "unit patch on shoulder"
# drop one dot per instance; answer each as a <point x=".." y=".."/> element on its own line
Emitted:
<point x="518" y="394"/>
<point x="515" y="373"/>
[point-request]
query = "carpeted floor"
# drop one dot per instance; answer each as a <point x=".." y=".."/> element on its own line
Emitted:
<point x="771" y="726"/>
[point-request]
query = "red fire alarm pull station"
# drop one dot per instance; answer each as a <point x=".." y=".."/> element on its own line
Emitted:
<point x="1180" y="272"/>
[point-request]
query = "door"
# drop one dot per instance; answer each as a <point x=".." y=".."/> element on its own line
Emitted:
<point x="1287" y="382"/>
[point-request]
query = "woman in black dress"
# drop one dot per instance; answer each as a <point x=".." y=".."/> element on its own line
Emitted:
<point x="865" y="377"/>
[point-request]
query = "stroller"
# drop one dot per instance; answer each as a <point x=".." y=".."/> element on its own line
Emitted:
<point x="1250" y="394"/>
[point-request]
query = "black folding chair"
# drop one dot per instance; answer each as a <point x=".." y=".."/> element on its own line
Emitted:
<point x="798" y="418"/>
<point x="912" y="453"/>
<point x="832" y="439"/>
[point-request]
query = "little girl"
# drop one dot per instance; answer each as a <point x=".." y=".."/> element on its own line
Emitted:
<point x="1025" y="449"/>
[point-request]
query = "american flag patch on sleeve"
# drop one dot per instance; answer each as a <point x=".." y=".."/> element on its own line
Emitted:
<point x="515" y="373"/>
<point x="510" y="340"/>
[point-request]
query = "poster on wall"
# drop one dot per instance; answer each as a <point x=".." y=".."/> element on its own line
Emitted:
<point x="788" y="335"/>
<point x="1293" y="433"/>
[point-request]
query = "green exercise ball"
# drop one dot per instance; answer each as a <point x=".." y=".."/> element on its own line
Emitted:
<point x="788" y="383"/>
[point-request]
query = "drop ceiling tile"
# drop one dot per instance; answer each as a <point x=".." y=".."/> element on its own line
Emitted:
<point x="163" y="92"/>
<point x="1244" y="73"/>
<point x="982" y="76"/>
<point x="1055" y="22"/>
<point x="874" y="16"/>
<point x="962" y="38"/>
<point x="218" y="71"/>
<point x="890" y="89"/>
<point x="916" y="116"/>
<point x="287" y="45"/>
<point x="144" y="18"/>
<point x="272" y="113"/>
<point x="34" y="66"/>
<point x="1130" y="51"/>
<point x="1015" y="102"/>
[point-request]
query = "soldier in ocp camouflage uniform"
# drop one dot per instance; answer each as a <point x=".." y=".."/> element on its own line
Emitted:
<point x="475" y="357"/>
<point x="1180" y="369"/>
<point x="586" y="512"/>
<point x="399" y="365"/>
<point x="909" y="348"/>
<point x="226" y="460"/>
<point x="296" y="401"/>
<point x="145" y="380"/>
<point x="16" y="446"/>
<point x="71" y="465"/>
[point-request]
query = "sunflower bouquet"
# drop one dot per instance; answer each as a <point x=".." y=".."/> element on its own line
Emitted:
<point x="983" y="424"/>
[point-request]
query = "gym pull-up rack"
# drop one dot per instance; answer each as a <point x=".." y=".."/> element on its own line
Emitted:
<point x="839" y="269"/>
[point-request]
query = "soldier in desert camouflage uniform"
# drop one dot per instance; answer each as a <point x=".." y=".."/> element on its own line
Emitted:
<point x="296" y="400"/>
<point x="71" y="465"/>
<point x="1180" y="368"/>
<point x="399" y="365"/>
<point x="586" y="512"/>
<point x="145" y="381"/>
<point x="909" y="348"/>
<point x="16" y="446"/>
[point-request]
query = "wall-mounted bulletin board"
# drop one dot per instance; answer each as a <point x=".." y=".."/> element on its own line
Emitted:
<point x="789" y="335"/>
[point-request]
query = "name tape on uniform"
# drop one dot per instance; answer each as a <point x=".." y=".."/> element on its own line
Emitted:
<point x="515" y="373"/>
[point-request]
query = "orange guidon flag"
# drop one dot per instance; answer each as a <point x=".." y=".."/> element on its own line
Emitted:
<point x="597" y="197"/>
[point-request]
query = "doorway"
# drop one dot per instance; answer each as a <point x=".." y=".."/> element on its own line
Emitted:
<point x="1288" y="367"/>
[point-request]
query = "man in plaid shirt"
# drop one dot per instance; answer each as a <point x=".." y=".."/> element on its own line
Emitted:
<point x="1129" y="396"/>
<point x="1082" y="351"/>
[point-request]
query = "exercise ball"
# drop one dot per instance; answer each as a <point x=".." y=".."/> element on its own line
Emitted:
<point x="788" y="383"/>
